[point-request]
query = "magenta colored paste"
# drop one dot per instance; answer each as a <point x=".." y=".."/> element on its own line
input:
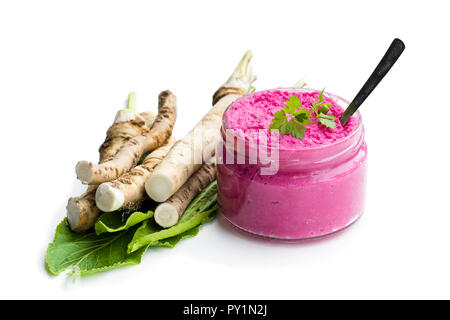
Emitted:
<point x="320" y="184"/>
<point x="255" y="112"/>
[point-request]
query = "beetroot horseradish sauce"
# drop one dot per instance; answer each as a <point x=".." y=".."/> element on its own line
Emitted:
<point x="283" y="187"/>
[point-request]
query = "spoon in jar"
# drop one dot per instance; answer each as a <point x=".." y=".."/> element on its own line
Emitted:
<point x="390" y="57"/>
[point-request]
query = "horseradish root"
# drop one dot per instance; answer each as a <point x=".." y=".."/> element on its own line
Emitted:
<point x="122" y="131"/>
<point x="240" y="81"/>
<point x="183" y="159"/>
<point x="82" y="212"/>
<point x="128" y="191"/>
<point x="130" y="153"/>
<point x="168" y="213"/>
<point x="149" y="118"/>
<point x="127" y="124"/>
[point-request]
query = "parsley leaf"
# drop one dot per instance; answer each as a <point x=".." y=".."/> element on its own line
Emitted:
<point x="293" y="119"/>
<point x="321" y="110"/>
<point x="327" y="121"/>
<point x="302" y="116"/>
<point x="296" y="130"/>
<point x="279" y="120"/>
<point x="292" y="104"/>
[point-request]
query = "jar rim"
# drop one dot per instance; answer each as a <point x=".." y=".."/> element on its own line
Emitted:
<point x="357" y="114"/>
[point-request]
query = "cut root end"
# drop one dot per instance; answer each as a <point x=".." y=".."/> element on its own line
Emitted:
<point x="84" y="171"/>
<point x="159" y="187"/>
<point x="73" y="213"/>
<point x="108" y="199"/>
<point x="166" y="215"/>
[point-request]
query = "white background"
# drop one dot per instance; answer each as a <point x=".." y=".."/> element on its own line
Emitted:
<point x="67" y="66"/>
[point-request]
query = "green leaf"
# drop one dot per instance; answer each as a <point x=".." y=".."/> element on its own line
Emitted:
<point x="150" y="232"/>
<point x="87" y="253"/>
<point x="296" y="130"/>
<point x="315" y="108"/>
<point x="298" y="118"/>
<point x="292" y="104"/>
<point x="295" y="123"/>
<point x="201" y="210"/>
<point x="172" y="241"/>
<point x="203" y="201"/>
<point x="284" y="129"/>
<point x="113" y="221"/>
<point x="326" y="116"/>
<point x="302" y="116"/>
<point x="327" y="121"/>
<point x="321" y="96"/>
<point x="279" y="121"/>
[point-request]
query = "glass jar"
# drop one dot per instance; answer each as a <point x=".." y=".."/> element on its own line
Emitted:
<point x="314" y="191"/>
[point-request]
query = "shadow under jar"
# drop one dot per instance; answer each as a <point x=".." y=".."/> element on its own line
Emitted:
<point x="314" y="191"/>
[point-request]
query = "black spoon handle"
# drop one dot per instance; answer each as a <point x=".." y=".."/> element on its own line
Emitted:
<point x="390" y="57"/>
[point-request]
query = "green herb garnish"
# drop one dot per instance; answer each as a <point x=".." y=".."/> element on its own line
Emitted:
<point x="321" y="110"/>
<point x="293" y="119"/>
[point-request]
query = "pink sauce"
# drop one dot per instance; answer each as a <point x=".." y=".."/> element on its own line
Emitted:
<point x="255" y="112"/>
<point x="320" y="184"/>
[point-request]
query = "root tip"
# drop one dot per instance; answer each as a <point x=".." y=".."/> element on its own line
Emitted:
<point x="83" y="170"/>
<point x="108" y="199"/>
<point x="158" y="187"/>
<point x="242" y="76"/>
<point x="73" y="213"/>
<point x="166" y="215"/>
